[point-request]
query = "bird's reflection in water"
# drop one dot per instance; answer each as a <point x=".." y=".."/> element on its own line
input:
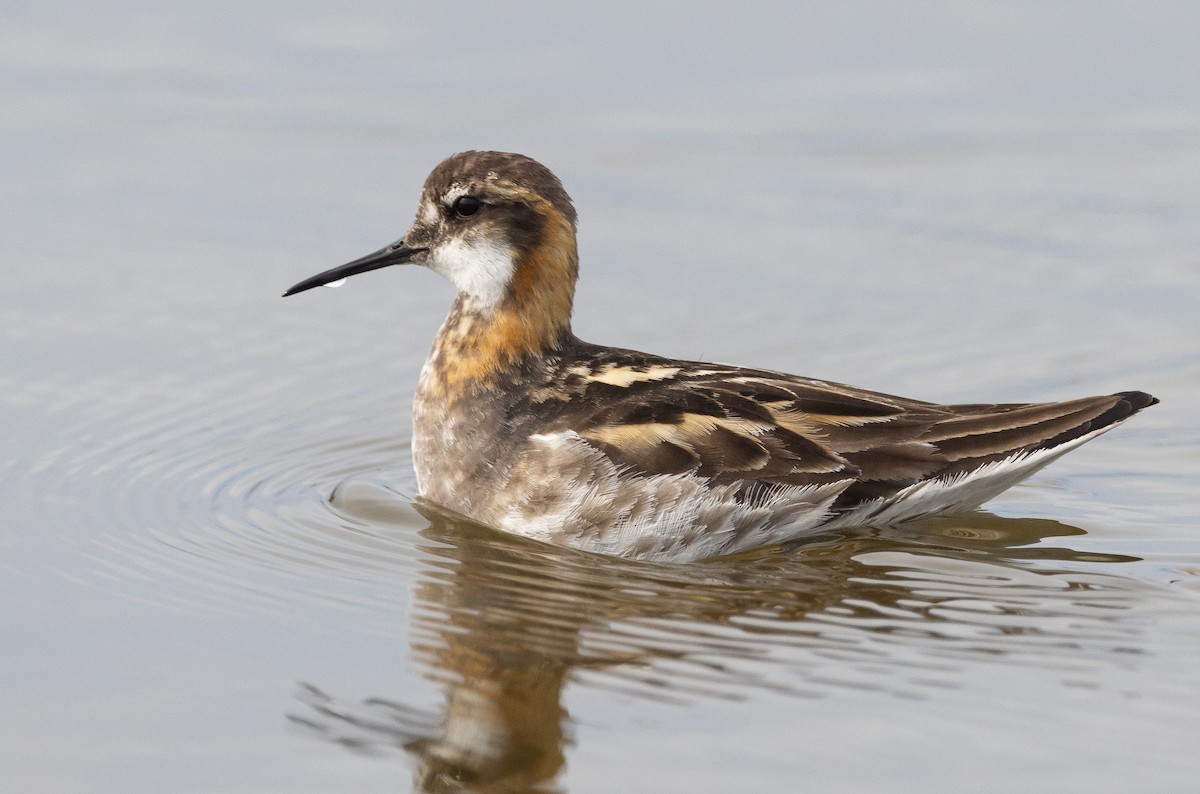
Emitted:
<point x="502" y="624"/>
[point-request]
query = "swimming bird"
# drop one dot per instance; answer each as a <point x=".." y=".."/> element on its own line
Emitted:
<point x="520" y="425"/>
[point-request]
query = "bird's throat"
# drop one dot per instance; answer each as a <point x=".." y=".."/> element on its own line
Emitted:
<point x="478" y="342"/>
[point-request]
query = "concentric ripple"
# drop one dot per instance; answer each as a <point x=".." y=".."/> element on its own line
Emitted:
<point x="213" y="492"/>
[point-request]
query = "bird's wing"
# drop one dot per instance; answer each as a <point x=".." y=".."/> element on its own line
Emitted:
<point x="755" y="426"/>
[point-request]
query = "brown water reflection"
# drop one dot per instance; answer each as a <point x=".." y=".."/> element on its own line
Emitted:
<point x="503" y="624"/>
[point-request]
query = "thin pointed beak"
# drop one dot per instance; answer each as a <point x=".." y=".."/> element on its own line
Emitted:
<point x="395" y="254"/>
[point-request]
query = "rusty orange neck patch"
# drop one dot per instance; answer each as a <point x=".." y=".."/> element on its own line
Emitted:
<point x="477" y="342"/>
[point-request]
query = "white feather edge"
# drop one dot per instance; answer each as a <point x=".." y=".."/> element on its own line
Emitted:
<point x="961" y="492"/>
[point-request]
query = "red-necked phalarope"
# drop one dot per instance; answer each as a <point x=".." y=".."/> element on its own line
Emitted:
<point x="522" y="426"/>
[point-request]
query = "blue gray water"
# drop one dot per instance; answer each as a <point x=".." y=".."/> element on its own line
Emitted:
<point x="213" y="572"/>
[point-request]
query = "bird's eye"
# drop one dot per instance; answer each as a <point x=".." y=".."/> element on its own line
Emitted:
<point x="465" y="206"/>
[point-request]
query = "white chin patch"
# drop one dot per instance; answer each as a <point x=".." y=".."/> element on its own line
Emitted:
<point x="478" y="268"/>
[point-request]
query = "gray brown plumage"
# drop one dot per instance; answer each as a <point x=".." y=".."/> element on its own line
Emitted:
<point x="519" y="424"/>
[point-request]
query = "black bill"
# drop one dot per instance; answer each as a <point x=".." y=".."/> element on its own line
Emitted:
<point x="395" y="254"/>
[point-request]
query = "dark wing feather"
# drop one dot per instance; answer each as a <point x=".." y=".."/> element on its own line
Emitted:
<point x="763" y="428"/>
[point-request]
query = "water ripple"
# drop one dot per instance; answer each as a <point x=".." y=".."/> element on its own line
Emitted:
<point x="504" y="626"/>
<point x="211" y="494"/>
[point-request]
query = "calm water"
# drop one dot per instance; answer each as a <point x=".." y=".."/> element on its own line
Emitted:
<point x="213" y="572"/>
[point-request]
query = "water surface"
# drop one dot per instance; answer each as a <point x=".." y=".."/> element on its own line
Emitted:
<point x="216" y="575"/>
